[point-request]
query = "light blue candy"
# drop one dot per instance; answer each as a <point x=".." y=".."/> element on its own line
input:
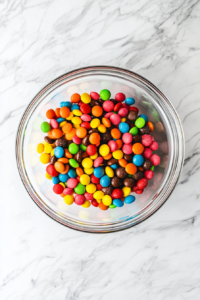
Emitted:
<point x="114" y="167"/>
<point x="72" y="173"/>
<point x="105" y="181"/>
<point x="138" y="160"/>
<point x="118" y="202"/>
<point x="129" y="101"/>
<point x="65" y="103"/>
<point x="59" y="152"/>
<point x="123" y="127"/>
<point x="59" y="120"/>
<point x="129" y="199"/>
<point x="63" y="177"/>
<point x="55" y="180"/>
<point x="98" y="172"/>
<point x="75" y="106"/>
<point x="144" y="117"/>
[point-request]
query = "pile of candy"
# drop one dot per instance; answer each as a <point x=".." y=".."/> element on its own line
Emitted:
<point x="99" y="150"/>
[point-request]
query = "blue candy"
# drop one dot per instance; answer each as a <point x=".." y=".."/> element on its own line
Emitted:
<point x="59" y="152"/>
<point x="138" y="160"/>
<point x="129" y="101"/>
<point x="114" y="167"/>
<point x="123" y="127"/>
<point x="72" y="173"/>
<point x="105" y="181"/>
<point x="75" y="106"/>
<point x="144" y="117"/>
<point x="55" y="180"/>
<point x="59" y="120"/>
<point x="129" y="199"/>
<point x="63" y="177"/>
<point x="118" y="202"/>
<point x="98" y="172"/>
<point x="65" y="103"/>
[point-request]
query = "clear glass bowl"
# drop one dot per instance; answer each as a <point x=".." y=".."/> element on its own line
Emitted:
<point x="168" y="132"/>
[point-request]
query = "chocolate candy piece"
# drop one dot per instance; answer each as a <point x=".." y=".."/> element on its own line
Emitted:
<point x="132" y="115"/>
<point x="112" y="161"/>
<point x="78" y="156"/>
<point x="85" y="140"/>
<point x="94" y="103"/>
<point x="137" y="138"/>
<point x="107" y="190"/>
<point x="48" y="140"/>
<point x="92" y="131"/>
<point x="147" y="164"/>
<point x="106" y="137"/>
<point x="116" y="182"/>
<point x="69" y="142"/>
<point x="128" y="157"/>
<point x="138" y="175"/>
<point x="129" y="182"/>
<point x="100" y="101"/>
<point x="144" y="130"/>
<point x="62" y="143"/>
<point x="53" y="159"/>
<point x="121" y="173"/>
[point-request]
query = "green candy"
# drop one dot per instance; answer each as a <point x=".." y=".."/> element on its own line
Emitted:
<point x="129" y="175"/>
<point x="45" y="127"/>
<point x="82" y="147"/>
<point x="73" y="148"/>
<point x="105" y="94"/>
<point x="112" y="206"/>
<point x="140" y="122"/>
<point x="79" y="189"/>
<point x="152" y="168"/>
<point x="73" y="163"/>
<point x="134" y="131"/>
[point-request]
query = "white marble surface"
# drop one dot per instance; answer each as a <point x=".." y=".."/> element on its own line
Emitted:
<point x="39" y="258"/>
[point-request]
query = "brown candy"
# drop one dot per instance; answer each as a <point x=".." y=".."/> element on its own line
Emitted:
<point x="62" y="143"/>
<point x="138" y="175"/>
<point x="121" y="173"/>
<point x="147" y="164"/>
<point x="132" y="115"/>
<point x="144" y="130"/>
<point x="85" y="140"/>
<point x="116" y="182"/>
<point x="48" y="140"/>
<point x="137" y="138"/>
<point x="129" y="182"/>
<point x="106" y="137"/>
<point x="112" y="162"/>
<point x="92" y="131"/>
<point x="94" y="103"/>
<point x="107" y="190"/>
<point x="78" y="156"/>
<point x="128" y="157"/>
<point x="53" y="159"/>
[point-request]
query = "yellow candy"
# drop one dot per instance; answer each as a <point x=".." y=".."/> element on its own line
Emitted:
<point x="118" y="154"/>
<point x="85" y="179"/>
<point x="85" y="98"/>
<point x="86" y="204"/>
<point x="89" y="171"/>
<point x="123" y="120"/>
<point x="48" y="176"/>
<point x="70" y="116"/>
<point x="95" y="123"/>
<point x="62" y="183"/>
<point x="76" y="120"/>
<point x="98" y="195"/>
<point x="48" y="148"/>
<point x="107" y="200"/>
<point x="87" y="163"/>
<point x="104" y="150"/>
<point x="98" y="200"/>
<point x="45" y="158"/>
<point x="91" y="188"/>
<point x="52" y="152"/>
<point x="62" y="123"/>
<point x="68" y="199"/>
<point x="109" y="172"/>
<point x="77" y="126"/>
<point x="77" y="112"/>
<point x="94" y="156"/>
<point x="126" y="190"/>
<point x="40" y="148"/>
<point x="45" y="143"/>
<point x="102" y="128"/>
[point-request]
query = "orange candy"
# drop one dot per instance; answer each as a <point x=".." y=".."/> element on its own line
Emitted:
<point x="116" y="134"/>
<point x="138" y="148"/>
<point x="62" y="195"/>
<point x="150" y="125"/>
<point x="69" y="136"/>
<point x="63" y="160"/>
<point x="64" y="112"/>
<point x="81" y="132"/>
<point x="94" y="138"/>
<point x="67" y="128"/>
<point x="75" y="98"/>
<point x="68" y="154"/>
<point x="57" y="133"/>
<point x="57" y="112"/>
<point x="122" y="162"/>
<point x="59" y="167"/>
<point x="97" y="111"/>
<point x="106" y="122"/>
<point x="107" y="157"/>
<point x="119" y="144"/>
<point x="50" y="134"/>
<point x="140" y="168"/>
<point x="79" y="171"/>
<point x="66" y="170"/>
<point x="50" y="114"/>
<point x="131" y="169"/>
<point x="102" y="206"/>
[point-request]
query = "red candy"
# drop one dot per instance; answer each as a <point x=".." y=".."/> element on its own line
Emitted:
<point x="88" y="196"/>
<point x="79" y="199"/>
<point x="112" y="145"/>
<point x="108" y="115"/>
<point x="86" y="118"/>
<point x="86" y="125"/>
<point x="117" y="106"/>
<point x="95" y="203"/>
<point x="146" y="140"/>
<point x="139" y="191"/>
<point x="117" y="194"/>
<point x="72" y="183"/>
<point x="76" y="140"/>
<point x="85" y="108"/>
<point x="68" y="191"/>
<point x="120" y="97"/>
<point x="142" y="183"/>
<point x="134" y="108"/>
<point x="108" y="106"/>
<point x="125" y="105"/>
<point x="127" y="138"/>
<point x="123" y="112"/>
<point x="115" y="119"/>
<point x="58" y="189"/>
<point x="154" y="146"/>
<point x="91" y="150"/>
<point x="99" y="187"/>
<point x="147" y="153"/>
<point x="127" y="149"/>
<point x="148" y="174"/>
<point x="94" y="95"/>
<point x="94" y="179"/>
<point x="98" y="161"/>
<point x="51" y="170"/>
<point x="155" y="159"/>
